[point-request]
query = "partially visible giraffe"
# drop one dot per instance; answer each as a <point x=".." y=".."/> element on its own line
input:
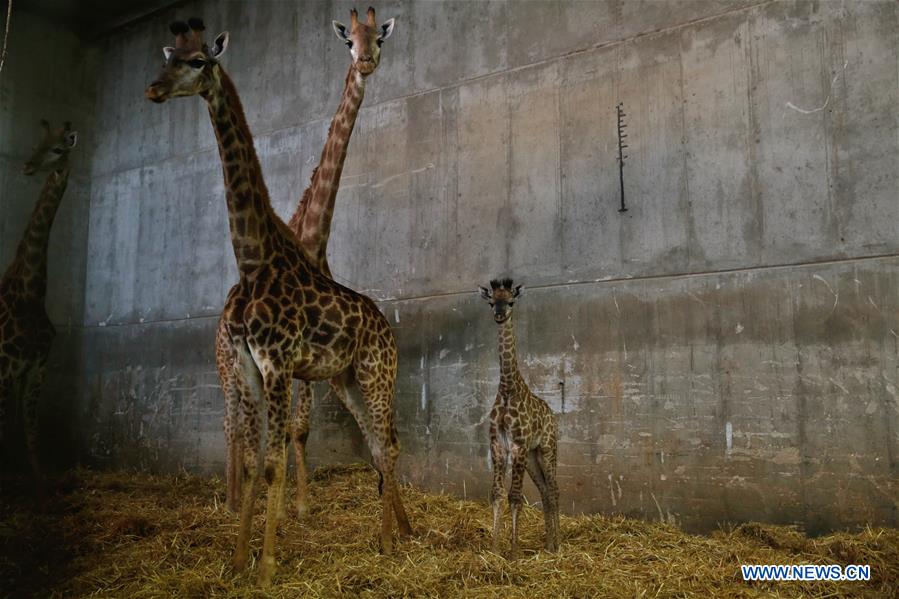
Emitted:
<point x="311" y="223"/>
<point x="285" y="318"/>
<point x="523" y="429"/>
<point x="26" y="332"/>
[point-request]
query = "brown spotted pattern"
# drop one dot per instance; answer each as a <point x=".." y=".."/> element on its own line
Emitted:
<point x="26" y="332"/>
<point x="523" y="429"/>
<point x="311" y="223"/>
<point x="284" y="319"/>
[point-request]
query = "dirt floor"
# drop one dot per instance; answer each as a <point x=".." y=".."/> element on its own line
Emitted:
<point x="136" y="535"/>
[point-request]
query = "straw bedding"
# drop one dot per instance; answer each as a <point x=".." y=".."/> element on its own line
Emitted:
<point x="137" y="535"/>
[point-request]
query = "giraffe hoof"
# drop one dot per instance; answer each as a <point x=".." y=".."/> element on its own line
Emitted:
<point x="302" y="509"/>
<point x="386" y="545"/>
<point x="239" y="562"/>
<point x="266" y="571"/>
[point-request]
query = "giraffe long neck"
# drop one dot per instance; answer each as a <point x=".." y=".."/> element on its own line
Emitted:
<point x="253" y="222"/>
<point x="311" y="222"/>
<point x="509" y="374"/>
<point x="29" y="267"/>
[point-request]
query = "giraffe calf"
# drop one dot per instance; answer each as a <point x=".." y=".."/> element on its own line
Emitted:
<point x="523" y="429"/>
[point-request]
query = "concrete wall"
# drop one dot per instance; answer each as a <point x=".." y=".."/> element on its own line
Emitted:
<point x="49" y="73"/>
<point x="727" y="349"/>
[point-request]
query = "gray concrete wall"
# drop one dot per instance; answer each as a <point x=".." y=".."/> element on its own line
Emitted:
<point x="49" y="73"/>
<point x="728" y="349"/>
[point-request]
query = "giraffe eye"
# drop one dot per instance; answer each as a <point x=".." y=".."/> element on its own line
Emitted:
<point x="197" y="63"/>
<point x="57" y="150"/>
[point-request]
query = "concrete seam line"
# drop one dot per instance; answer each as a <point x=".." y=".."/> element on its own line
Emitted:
<point x="709" y="273"/>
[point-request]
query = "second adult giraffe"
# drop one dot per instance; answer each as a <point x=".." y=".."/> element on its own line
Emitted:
<point x="26" y="332"/>
<point x="311" y="223"/>
<point x="285" y="318"/>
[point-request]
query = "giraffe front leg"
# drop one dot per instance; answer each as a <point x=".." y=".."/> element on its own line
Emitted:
<point x="300" y="434"/>
<point x="225" y="361"/>
<point x="30" y="404"/>
<point x="518" y="468"/>
<point x="233" y="440"/>
<point x="277" y="400"/>
<point x="249" y="387"/>
<point x="497" y="490"/>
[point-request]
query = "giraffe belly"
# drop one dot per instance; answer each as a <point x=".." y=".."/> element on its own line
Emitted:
<point x="320" y="363"/>
<point x="504" y="433"/>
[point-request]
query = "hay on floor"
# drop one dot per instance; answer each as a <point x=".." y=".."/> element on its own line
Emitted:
<point x="136" y="535"/>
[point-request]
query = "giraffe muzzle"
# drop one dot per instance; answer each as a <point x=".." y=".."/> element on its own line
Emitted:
<point x="366" y="65"/>
<point x="155" y="93"/>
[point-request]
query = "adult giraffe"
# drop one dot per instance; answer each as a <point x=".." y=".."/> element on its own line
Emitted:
<point x="311" y="223"/>
<point x="285" y="318"/>
<point x="26" y="332"/>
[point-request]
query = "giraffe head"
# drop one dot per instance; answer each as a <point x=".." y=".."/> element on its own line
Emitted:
<point x="364" y="40"/>
<point x="52" y="151"/>
<point x="501" y="296"/>
<point x="190" y="66"/>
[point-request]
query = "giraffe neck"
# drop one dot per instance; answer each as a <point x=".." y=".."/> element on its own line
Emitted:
<point x="30" y="264"/>
<point x="253" y="222"/>
<point x="509" y="375"/>
<point x="311" y="222"/>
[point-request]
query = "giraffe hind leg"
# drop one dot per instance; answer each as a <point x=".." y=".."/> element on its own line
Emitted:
<point x="536" y="473"/>
<point x="546" y="461"/>
<point x="402" y="519"/>
<point x="362" y="401"/>
<point x="299" y="433"/>
<point x="385" y="449"/>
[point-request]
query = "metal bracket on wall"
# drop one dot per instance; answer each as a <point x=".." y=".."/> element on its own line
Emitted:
<point x="621" y="155"/>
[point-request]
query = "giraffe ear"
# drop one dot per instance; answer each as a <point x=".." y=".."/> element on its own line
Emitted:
<point x="219" y="45"/>
<point x="71" y="139"/>
<point x="386" y="29"/>
<point x="485" y="293"/>
<point x="167" y="51"/>
<point x="517" y="291"/>
<point x="341" y="31"/>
